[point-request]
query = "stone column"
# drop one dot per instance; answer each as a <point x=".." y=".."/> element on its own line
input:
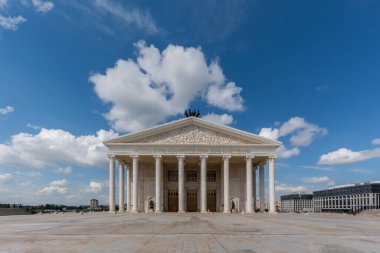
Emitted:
<point x="121" y="186"/>
<point x="181" y="183"/>
<point x="204" y="184"/>
<point x="158" y="183"/>
<point x="262" y="189"/>
<point x="248" y="165"/>
<point x="272" y="203"/>
<point x="112" y="184"/>
<point x="226" y="183"/>
<point x="129" y="195"/>
<point x="254" y="188"/>
<point x="135" y="168"/>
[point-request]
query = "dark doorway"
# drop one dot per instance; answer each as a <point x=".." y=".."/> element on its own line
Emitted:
<point x="172" y="200"/>
<point x="192" y="199"/>
<point x="211" y="200"/>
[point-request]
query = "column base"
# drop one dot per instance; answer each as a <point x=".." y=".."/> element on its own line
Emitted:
<point x="249" y="211"/>
<point x="121" y="211"/>
<point x="158" y="211"/>
<point x="226" y="211"/>
<point x="204" y="211"/>
<point x="134" y="211"/>
<point x="181" y="212"/>
<point x="111" y="211"/>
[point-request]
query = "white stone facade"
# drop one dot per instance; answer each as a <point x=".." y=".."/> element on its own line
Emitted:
<point x="191" y="165"/>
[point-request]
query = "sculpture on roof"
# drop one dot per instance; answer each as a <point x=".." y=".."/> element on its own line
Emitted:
<point x="192" y="113"/>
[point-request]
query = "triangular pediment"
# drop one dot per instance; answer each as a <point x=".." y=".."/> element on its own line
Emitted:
<point x="193" y="131"/>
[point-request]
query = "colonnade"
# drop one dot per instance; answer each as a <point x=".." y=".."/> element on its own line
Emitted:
<point x="132" y="199"/>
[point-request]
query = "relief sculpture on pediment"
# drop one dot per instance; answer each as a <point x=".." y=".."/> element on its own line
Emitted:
<point x="192" y="135"/>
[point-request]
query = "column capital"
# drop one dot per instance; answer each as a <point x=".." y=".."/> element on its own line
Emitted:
<point x="157" y="156"/>
<point x="135" y="156"/>
<point x="249" y="157"/>
<point x="203" y="157"/>
<point x="180" y="157"/>
<point x="226" y="157"/>
<point x="111" y="156"/>
<point x="272" y="157"/>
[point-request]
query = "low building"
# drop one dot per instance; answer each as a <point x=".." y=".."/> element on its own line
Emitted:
<point x="94" y="204"/>
<point x="297" y="203"/>
<point x="350" y="198"/>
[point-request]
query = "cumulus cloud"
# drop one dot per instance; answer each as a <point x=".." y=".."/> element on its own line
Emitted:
<point x="94" y="187"/>
<point x="63" y="170"/>
<point x="319" y="180"/>
<point x="226" y="97"/>
<point x="11" y="23"/>
<point x="284" y="188"/>
<point x="376" y="141"/>
<point x="134" y="16"/>
<point x="284" y="152"/>
<point x="61" y="182"/>
<point x="300" y="133"/>
<point x="344" y="156"/>
<point x="52" y="147"/>
<point x="6" y="110"/>
<point x="221" y="119"/>
<point x="55" y="187"/>
<point x="146" y="91"/>
<point x="42" y="6"/>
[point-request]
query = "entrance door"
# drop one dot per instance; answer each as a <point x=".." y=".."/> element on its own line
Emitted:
<point x="172" y="200"/>
<point x="192" y="200"/>
<point x="211" y="200"/>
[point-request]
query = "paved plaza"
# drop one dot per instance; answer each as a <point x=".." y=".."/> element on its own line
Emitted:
<point x="190" y="232"/>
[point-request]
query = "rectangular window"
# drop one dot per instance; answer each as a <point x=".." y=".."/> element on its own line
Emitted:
<point x="211" y="193"/>
<point x="211" y="176"/>
<point x="191" y="192"/>
<point x="172" y="193"/>
<point x="191" y="176"/>
<point x="172" y="175"/>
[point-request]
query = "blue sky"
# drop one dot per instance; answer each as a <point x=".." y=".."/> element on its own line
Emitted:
<point x="303" y="72"/>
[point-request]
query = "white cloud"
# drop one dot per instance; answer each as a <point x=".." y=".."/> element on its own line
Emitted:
<point x="42" y="6"/>
<point x="284" y="152"/>
<point x="284" y="188"/>
<point x="94" y="187"/>
<point x="301" y="133"/>
<point x="226" y="97"/>
<point x="6" y="110"/>
<point x="319" y="180"/>
<point x="317" y="167"/>
<point x="61" y="170"/>
<point x="376" y="141"/>
<point x="33" y="126"/>
<point x="134" y="16"/>
<point x="344" y="156"/>
<point x="5" y="177"/>
<point x="53" y="189"/>
<point x="11" y="23"/>
<point x="52" y="147"/>
<point x="221" y="119"/>
<point x="270" y="133"/>
<point x="157" y="85"/>
<point x="61" y="182"/>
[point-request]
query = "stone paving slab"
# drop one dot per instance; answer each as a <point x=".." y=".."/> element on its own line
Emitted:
<point x="190" y="232"/>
